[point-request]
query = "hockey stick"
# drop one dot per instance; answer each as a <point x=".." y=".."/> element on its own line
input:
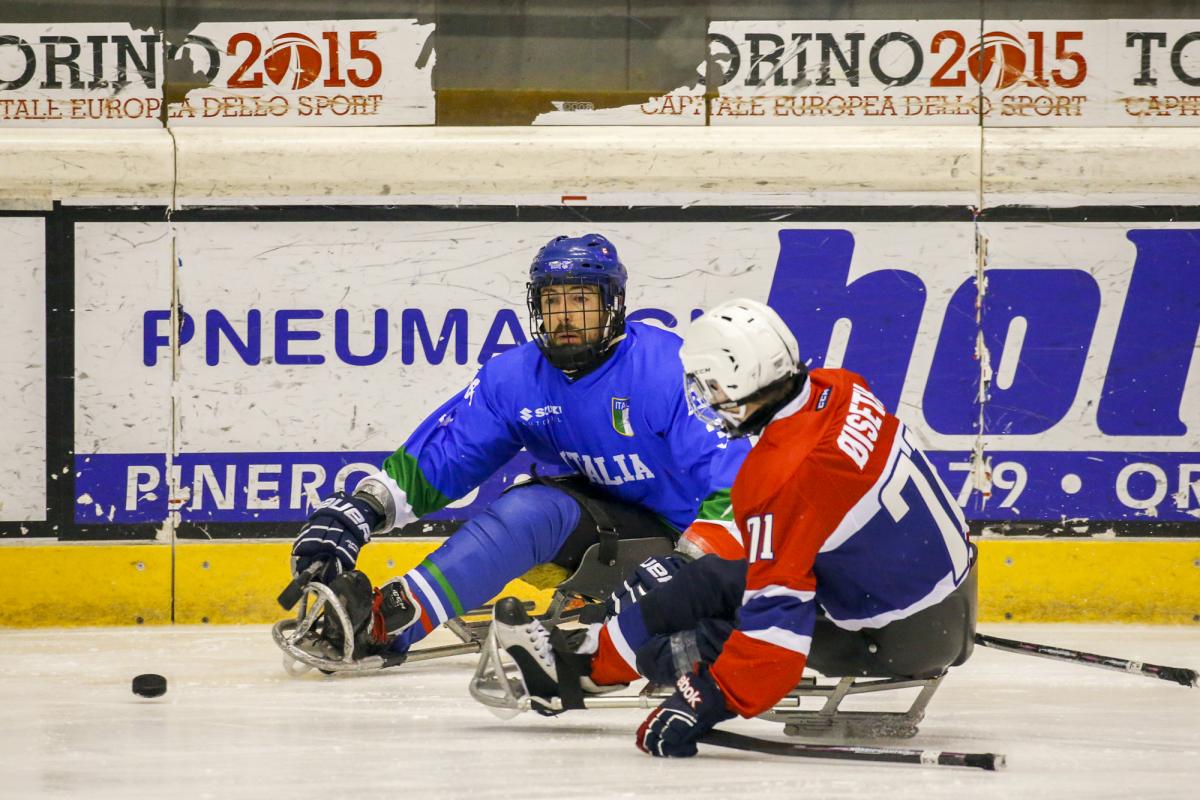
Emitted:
<point x="290" y="595"/>
<point x="1181" y="675"/>
<point x="842" y="752"/>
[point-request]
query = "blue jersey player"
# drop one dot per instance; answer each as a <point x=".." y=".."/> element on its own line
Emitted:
<point x="592" y="392"/>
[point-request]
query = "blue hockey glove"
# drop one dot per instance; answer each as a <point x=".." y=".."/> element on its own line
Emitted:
<point x="672" y="729"/>
<point x="648" y="575"/>
<point x="337" y="529"/>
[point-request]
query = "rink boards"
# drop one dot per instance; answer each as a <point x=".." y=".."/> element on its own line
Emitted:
<point x="214" y="327"/>
<point x="1020" y="580"/>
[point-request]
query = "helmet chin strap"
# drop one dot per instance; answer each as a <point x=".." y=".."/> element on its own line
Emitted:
<point x="754" y="424"/>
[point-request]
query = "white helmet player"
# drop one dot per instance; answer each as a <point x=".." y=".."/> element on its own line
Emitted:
<point x="740" y="352"/>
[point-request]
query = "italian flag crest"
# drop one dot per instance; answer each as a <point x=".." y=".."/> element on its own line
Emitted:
<point x="620" y="416"/>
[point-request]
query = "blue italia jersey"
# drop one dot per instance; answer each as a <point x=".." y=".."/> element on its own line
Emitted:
<point x="626" y="427"/>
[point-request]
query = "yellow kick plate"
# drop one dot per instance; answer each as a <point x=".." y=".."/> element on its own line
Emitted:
<point x="1023" y="580"/>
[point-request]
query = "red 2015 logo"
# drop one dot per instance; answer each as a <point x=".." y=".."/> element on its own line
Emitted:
<point x="1001" y="59"/>
<point x="294" y="61"/>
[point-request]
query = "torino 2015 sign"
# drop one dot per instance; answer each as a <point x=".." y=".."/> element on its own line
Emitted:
<point x="360" y="72"/>
<point x="1014" y="73"/>
<point x="1007" y="72"/>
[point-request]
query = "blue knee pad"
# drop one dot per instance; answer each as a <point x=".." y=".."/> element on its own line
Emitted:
<point x="524" y="527"/>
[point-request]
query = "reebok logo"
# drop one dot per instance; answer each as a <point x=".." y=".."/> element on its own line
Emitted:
<point x="688" y="692"/>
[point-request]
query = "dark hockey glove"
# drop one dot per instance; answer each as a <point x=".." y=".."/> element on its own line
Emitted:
<point x="337" y="529"/>
<point x="672" y="729"/>
<point x="664" y="658"/>
<point x="650" y="574"/>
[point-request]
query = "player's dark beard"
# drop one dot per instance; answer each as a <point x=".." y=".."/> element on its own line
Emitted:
<point x="578" y="358"/>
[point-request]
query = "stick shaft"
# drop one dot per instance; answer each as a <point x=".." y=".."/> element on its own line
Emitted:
<point x="1180" y="675"/>
<point x="291" y="594"/>
<point x="888" y="755"/>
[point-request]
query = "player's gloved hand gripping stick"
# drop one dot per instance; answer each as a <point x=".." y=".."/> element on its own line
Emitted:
<point x="336" y="531"/>
<point x="672" y="729"/>
<point x="329" y="543"/>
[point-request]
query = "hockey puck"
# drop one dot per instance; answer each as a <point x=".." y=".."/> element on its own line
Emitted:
<point x="149" y="685"/>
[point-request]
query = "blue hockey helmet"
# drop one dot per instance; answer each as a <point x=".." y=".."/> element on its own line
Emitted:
<point x="588" y="260"/>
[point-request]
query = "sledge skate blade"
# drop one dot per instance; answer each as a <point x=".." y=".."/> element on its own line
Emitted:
<point x="497" y="682"/>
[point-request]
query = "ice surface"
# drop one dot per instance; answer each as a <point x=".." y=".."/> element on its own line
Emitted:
<point x="234" y="725"/>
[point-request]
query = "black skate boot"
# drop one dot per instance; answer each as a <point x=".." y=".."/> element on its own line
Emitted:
<point x="547" y="658"/>
<point x="376" y="616"/>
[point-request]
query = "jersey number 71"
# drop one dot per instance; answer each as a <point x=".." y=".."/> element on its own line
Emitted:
<point x="761" y="528"/>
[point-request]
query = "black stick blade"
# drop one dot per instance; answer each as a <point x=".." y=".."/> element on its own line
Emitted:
<point x="1181" y="675"/>
<point x="989" y="761"/>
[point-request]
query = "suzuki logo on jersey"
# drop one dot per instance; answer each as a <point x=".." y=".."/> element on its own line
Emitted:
<point x="620" y="416"/>
<point x="623" y="467"/>
<point x="545" y="413"/>
<point x="861" y="429"/>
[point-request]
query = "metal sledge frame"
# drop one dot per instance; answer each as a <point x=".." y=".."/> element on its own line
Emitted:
<point x="289" y="635"/>
<point x="498" y="684"/>
<point x="593" y="580"/>
<point x="830" y="720"/>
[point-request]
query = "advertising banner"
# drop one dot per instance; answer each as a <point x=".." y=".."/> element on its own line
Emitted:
<point x="1095" y="73"/>
<point x="80" y="74"/>
<point x="1048" y="368"/>
<point x="1156" y="76"/>
<point x="121" y="407"/>
<point x="346" y="72"/>
<point x="23" y="370"/>
<point x="1092" y="73"/>
<point x="349" y="72"/>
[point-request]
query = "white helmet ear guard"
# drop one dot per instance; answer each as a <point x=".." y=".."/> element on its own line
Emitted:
<point x="730" y="354"/>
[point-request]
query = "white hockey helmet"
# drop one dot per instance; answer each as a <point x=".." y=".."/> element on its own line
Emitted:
<point x="731" y="355"/>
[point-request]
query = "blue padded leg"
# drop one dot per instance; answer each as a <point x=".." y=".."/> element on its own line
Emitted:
<point x="524" y="527"/>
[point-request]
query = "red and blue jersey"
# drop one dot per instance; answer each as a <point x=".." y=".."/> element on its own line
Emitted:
<point x="836" y="509"/>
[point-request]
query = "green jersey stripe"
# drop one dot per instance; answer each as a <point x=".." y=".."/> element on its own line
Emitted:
<point x="422" y="495"/>
<point x="433" y="570"/>
<point x="717" y="505"/>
